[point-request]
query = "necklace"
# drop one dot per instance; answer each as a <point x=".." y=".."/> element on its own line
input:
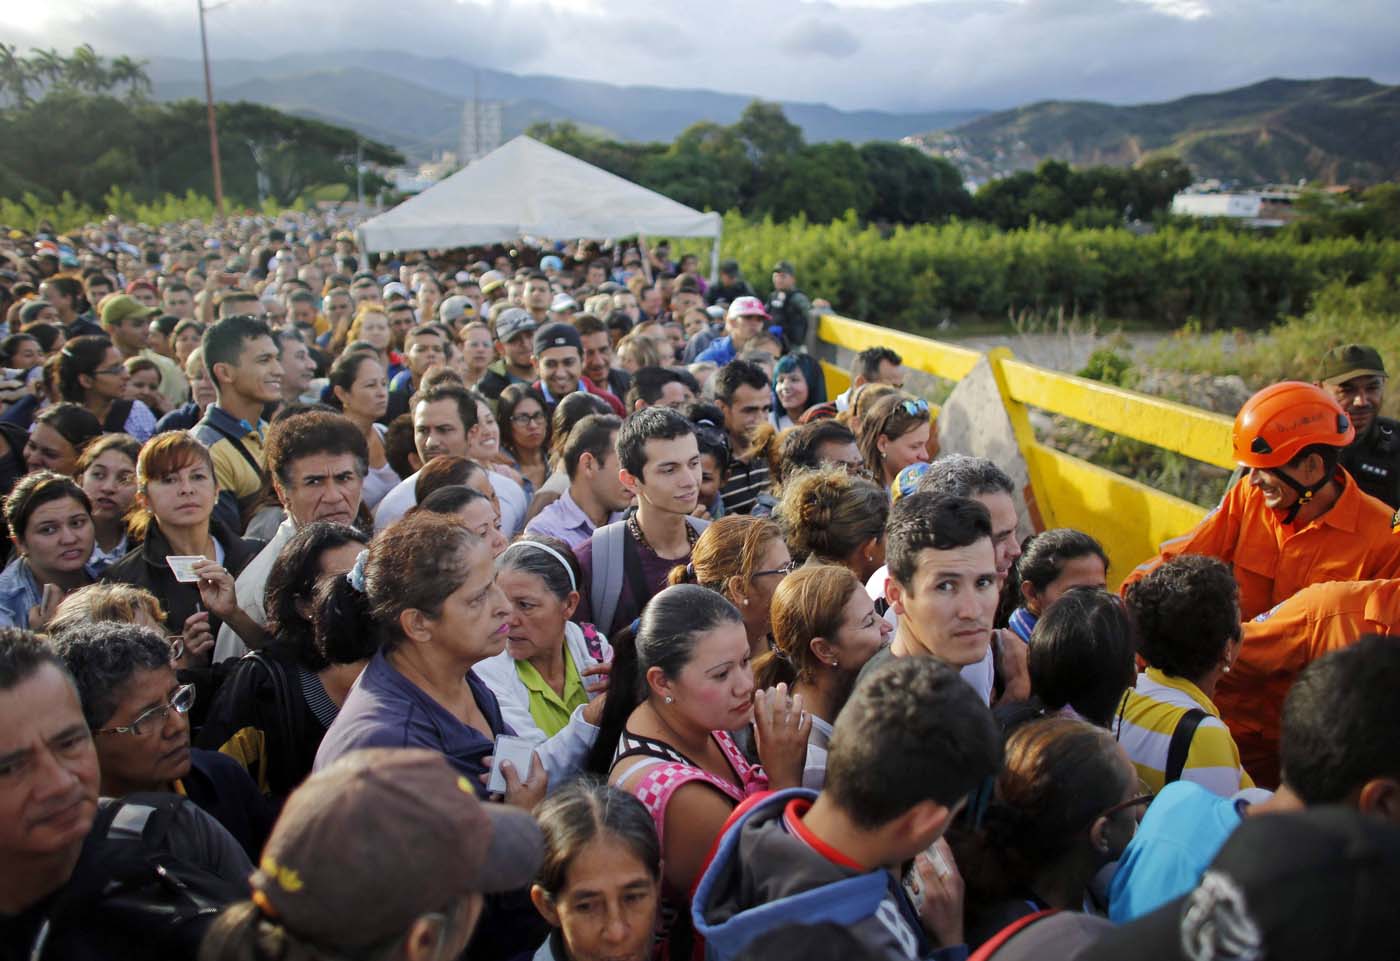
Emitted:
<point x="691" y="534"/>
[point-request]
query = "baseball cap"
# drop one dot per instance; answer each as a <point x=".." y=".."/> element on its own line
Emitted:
<point x="563" y="302"/>
<point x="492" y="280"/>
<point x="138" y="284"/>
<point x="395" y="289"/>
<point x="455" y="308"/>
<point x="551" y="262"/>
<point x="906" y="481"/>
<point x="1287" y="887"/>
<point x="381" y="837"/>
<point x="514" y="321"/>
<point x="1341" y="364"/>
<point x="747" y="307"/>
<point x="784" y="267"/>
<point x="120" y="307"/>
<point x="556" y="335"/>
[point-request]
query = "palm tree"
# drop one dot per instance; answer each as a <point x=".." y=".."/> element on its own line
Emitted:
<point x="125" y="70"/>
<point x="46" y="66"/>
<point x="14" y="75"/>
<point x="86" y="72"/>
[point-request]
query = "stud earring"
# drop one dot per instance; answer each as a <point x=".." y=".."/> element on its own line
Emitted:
<point x="670" y="699"/>
<point x="834" y="664"/>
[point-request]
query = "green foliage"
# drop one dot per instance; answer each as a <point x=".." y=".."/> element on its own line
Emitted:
<point x="1090" y="196"/>
<point x="1109" y="367"/>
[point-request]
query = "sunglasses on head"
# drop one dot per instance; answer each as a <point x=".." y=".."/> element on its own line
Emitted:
<point x="915" y="407"/>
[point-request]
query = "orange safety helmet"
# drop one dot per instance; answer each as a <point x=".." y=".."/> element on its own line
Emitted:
<point x="1276" y="424"/>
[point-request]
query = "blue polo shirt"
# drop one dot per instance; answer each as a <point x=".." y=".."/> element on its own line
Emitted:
<point x="386" y="709"/>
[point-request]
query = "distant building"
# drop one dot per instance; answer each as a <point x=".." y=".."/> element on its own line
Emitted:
<point x="481" y="128"/>
<point x="1264" y="207"/>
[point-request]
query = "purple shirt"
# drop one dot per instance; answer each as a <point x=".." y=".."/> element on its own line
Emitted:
<point x="567" y="521"/>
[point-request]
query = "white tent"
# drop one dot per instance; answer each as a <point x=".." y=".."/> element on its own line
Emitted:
<point x="526" y="189"/>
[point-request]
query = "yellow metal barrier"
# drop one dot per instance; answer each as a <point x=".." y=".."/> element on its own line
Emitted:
<point x="1128" y="517"/>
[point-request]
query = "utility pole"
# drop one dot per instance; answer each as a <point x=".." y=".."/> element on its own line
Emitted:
<point x="213" y="124"/>
<point x="360" y="172"/>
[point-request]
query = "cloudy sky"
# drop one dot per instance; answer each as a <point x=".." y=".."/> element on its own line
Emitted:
<point x="886" y="54"/>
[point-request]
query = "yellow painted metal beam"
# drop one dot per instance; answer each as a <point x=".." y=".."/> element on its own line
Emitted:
<point x="837" y="380"/>
<point x="1176" y="427"/>
<point x="930" y="356"/>
<point x="1129" y="518"/>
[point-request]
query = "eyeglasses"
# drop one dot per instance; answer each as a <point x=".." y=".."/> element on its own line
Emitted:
<point x="783" y="571"/>
<point x="113" y="371"/>
<point x="915" y="407"/>
<point x="525" y="420"/>
<point x="1144" y="799"/>
<point x="180" y="703"/>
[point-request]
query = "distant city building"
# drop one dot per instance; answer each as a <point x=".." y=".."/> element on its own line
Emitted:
<point x="1263" y="207"/>
<point x="481" y="128"/>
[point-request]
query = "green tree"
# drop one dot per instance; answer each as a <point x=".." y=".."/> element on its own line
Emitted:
<point x="820" y="182"/>
<point x="767" y="132"/>
<point x="911" y="187"/>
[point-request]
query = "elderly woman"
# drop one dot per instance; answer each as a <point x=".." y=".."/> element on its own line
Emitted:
<point x="542" y="678"/>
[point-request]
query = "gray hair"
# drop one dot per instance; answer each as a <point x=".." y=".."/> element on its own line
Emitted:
<point x="547" y="558"/>
<point x="961" y="475"/>
<point x="102" y="657"/>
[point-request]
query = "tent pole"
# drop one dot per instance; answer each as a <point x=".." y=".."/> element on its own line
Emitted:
<point x="714" y="255"/>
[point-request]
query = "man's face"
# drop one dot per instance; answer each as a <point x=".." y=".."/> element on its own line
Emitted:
<point x="747" y="408"/>
<point x="537" y="295"/>
<point x="1361" y="398"/>
<point x="400" y="323"/>
<point x="437" y="430"/>
<point x="144" y="296"/>
<point x="53" y="295"/>
<point x="744" y="328"/>
<point x="684" y="301"/>
<point x="519" y="351"/>
<point x="651" y="302"/>
<point x="606" y="482"/>
<point x="130" y="334"/>
<point x="1004" y="540"/>
<point x="948" y="609"/>
<point x="258" y="375"/>
<point x="364" y="289"/>
<point x="160" y="754"/>
<point x="1278" y="494"/>
<point x="425" y="351"/>
<point x="626" y="304"/>
<point x="97" y="289"/>
<point x="675" y="395"/>
<point x="892" y="374"/>
<point x="303" y="314"/>
<point x="845" y="455"/>
<point x="670" y="480"/>
<point x="596" y="276"/>
<point x="322" y="487"/>
<point x="48" y="769"/>
<point x="782" y="281"/>
<point x="179" y="303"/>
<point x="597" y="357"/>
<point x="298" y="367"/>
<point x="338" y="307"/>
<point x="559" y="369"/>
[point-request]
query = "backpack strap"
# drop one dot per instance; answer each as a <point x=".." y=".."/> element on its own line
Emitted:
<point x="285" y="697"/>
<point x="208" y="434"/>
<point x="117" y="415"/>
<point x="994" y="944"/>
<point x="605" y="583"/>
<point x="1180" y="745"/>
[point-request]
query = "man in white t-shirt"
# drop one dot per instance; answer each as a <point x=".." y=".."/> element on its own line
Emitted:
<point x="942" y="586"/>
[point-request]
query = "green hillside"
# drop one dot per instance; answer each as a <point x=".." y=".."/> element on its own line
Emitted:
<point x="1336" y="130"/>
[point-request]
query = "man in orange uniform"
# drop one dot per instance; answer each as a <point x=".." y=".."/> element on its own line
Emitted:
<point x="1279" y="644"/>
<point x="1300" y="519"/>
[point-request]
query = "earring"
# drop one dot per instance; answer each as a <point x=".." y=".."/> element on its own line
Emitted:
<point x="834" y="664"/>
<point x="670" y="699"/>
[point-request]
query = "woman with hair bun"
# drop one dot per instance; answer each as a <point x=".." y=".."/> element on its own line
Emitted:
<point x="744" y="559"/>
<point x="832" y="517"/>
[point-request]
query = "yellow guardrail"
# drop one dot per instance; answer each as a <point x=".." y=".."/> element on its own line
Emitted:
<point x="1128" y="517"/>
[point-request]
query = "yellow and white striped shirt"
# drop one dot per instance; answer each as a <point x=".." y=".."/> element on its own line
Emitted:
<point x="1150" y="715"/>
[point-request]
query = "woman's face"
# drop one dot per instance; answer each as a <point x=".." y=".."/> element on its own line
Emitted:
<point x="185" y="343"/>
<point x="771" y="567"/>
<point x="368" y="396"/>
<point x="58" y="537"/>
<point x="1087" y="571"/>
<point x="862" y="633"/>
<point x="484" y="521"/>
<point x="27" y="355"/>
<point x="911" y="447"/>
<point x="109" y="379"/>
<point x="710" y="479"/>
<point x="374" y="329"/>
<point x="607" y="909"/>
<point x="792" y="390"/>
<point x="537" y="621"/>
<point x="110" y="483"/>
<point x="476" y="345"/>
<point x="184" y="497"/>
<point x="528" y="425"/>
<point x="201" y="385"/>
<point x="144" y="385"/>
<point x="485" y="442"/>
<point x="715" y="688"/>
<point x="47" y="449"/>
<point x="474" y="618"/>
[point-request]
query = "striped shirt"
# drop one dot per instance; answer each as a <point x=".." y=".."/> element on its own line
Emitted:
<point x="1151" y="713"/>
<point x="746" y="481"/>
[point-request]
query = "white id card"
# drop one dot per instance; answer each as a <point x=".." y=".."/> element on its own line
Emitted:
<point x="518" y="751"/>
<point x="183" y="566"/>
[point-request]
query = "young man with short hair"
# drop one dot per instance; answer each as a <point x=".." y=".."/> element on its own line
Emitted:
<point x="318" y="462"/>
<point x="537" y="296"/>
<point x="515" y="331"/>
<point x="1299" y="518"/>
<point x="178" y="300"/>
<point x="942" y="585"/>
<point x="874" y="365"/>
<point x="48" y="806"/>
<point x="424" y="346"/>
<point x="625" y="563"/>
<point x="907" y="750"/>
<point x="242" y="360"/>
<point x="298" y="364"/>
<point x="660" y="387"/>
<point x="596" y="495"/>
<point x="598" y="356"/>
<point x="558" y="356"/>
<point x="745" y="396"/>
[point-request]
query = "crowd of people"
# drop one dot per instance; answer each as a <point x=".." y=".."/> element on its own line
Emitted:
<point x="539" y="603"/>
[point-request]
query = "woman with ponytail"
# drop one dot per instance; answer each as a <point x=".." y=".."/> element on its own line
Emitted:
<point x="824" y="630"/>
<point x="1051" y="563"/>
<point x="743" y="558"/>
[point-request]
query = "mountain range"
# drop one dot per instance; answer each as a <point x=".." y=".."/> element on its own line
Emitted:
<point x="416" y="103"/>
<point x="1337" y="130"/>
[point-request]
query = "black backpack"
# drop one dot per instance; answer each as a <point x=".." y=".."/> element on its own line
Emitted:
<point x="129" y="896"/>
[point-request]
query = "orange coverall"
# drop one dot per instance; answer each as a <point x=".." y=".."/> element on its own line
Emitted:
<point x="1354" y="541"/>
<point x="1279" y="644"/>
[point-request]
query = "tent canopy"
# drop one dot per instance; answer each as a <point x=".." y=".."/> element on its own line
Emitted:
<point x="526" y="189"/>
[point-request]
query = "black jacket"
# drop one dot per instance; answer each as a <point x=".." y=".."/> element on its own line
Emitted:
<point x="1374" y="461"/>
